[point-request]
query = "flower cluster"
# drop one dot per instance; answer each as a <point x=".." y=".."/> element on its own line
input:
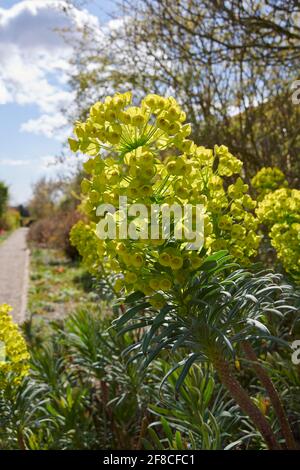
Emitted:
<point x="267" y="180"/>
<point x="144" y="153"/>
<point x="14" y="354"/>
<point x="91" y="248"/>
<point x="280" y="212"/>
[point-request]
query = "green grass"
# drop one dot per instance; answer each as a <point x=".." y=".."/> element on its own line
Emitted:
<point x="58" y="286"/>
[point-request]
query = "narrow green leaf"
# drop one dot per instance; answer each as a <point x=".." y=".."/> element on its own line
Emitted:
<point x="167" y="429"/>
<point x="137" y="295"/>
<point x="187" y="365"/>
<point x="130" y="314"/>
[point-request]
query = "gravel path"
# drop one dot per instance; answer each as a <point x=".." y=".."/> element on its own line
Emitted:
<point x="14" y="264"/>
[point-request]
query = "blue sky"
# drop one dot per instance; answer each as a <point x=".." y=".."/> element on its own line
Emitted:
<point x="33" y="88"/>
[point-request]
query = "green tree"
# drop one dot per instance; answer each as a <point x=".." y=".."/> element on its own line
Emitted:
<point x="229" y="64"/>
<point x="3" y="198"/>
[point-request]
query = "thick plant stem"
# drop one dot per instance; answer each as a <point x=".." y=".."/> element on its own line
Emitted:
<point x="273" y="395"/>
<point x="21" y="442"/>
<point x="242" y="398"/>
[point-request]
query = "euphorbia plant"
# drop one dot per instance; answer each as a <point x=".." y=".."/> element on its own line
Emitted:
<point x="279" y="211"/>
<point x="220" y="315"/>
<point x="267" y="180"/>
<point x="14" y="359"/>
<point x="144" y="153"/>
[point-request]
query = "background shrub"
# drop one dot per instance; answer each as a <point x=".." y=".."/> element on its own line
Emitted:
<point x="10" y="220"/>
<point x="53" y="232"/>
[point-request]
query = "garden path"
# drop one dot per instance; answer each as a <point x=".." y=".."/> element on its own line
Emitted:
<point x="14" y="273"/>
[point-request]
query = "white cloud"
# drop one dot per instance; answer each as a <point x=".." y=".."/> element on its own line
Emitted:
<point x="35" y="58"/>
<point x="53" y="165"/>
<point x="51" y="125"/>
<point x="12" y="162"/>
<point x="48" y="160"/>
<point x="5" y="96"/>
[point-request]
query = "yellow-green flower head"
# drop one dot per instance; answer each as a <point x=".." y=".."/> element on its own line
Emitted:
<point x="14" y="358"/>
<point x="117" y="125"/>
<point x="280" y="212"/>
<point x="144" y="153"/>
<point x="267" y="180"/>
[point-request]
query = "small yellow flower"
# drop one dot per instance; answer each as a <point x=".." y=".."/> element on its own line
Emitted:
<point x="130" y="277"/>
<point x="16" y="356"/>
<point x="165" y="284"/>
<point x="164" y="259"/>
<point x="176" y="262"/>
<point x="157" y="301"/>
<point x="137" y="260"/>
